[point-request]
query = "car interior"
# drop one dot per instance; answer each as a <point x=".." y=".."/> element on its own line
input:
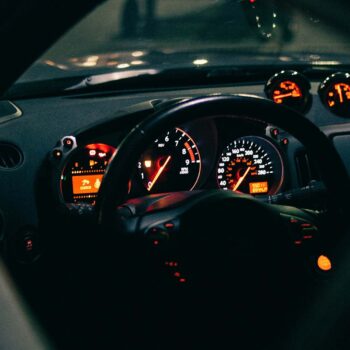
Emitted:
<point x="174" y="174"/>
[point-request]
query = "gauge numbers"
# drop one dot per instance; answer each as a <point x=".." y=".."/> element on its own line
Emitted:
<point x="250" y="165"/>
<point x="172" y="163"/>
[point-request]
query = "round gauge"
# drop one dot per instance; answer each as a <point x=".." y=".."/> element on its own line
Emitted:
<point x="251" y="165"/>
<point x="82" y="175"/>
<point x="172" y="163"/>
<point x="289" y="88"/>
<point x="335" y="94"/>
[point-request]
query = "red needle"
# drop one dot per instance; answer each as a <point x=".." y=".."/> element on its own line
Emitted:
<point x="161" y="169"/>
<point x="340" y="93"/>
<point x="241" y="179"/>
<point x="286" y="95"/>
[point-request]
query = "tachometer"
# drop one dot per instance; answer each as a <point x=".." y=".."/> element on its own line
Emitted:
<point x="250" y="165"/>
<point x="172" y="163"/>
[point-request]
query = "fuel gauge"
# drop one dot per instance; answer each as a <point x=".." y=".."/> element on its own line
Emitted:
<point x="289" y="88"/>
<point x="335" y="94"/>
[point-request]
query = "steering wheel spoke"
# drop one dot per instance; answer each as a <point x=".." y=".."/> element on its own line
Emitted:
<point x="246" y="255"/>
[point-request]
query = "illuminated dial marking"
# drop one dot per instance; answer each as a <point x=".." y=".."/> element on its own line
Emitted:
<point x="172" y="163"/>
<point x="251" y="165"/>
<point x="334" y="92"/>
<point x="289" y="88"/>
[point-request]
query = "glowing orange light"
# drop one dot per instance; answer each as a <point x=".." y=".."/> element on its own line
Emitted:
<point x="258" y="187"/>
<point x="241" y="179"/>
<point x="83" y="184"/>
<point x="148" y="163"/>
<point x="161" y="169"/>
<point x="100" y="147"/>
<point x="289" y="89"/>
<point x="324" y="263"/>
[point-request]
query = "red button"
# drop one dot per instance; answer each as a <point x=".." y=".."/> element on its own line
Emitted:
<point x="169" y="225"/>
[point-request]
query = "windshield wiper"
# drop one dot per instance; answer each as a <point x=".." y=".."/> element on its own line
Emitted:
<point x="132" y="81"/>
<point x="106" y="78"/>
<point x="136" y="80"/>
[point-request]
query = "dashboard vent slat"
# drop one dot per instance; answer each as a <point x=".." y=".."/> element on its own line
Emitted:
<point x="10" y="156"/>
<point x="307" y="170"/>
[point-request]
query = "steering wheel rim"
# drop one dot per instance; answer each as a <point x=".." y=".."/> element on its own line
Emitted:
<point x="114" y="189"/>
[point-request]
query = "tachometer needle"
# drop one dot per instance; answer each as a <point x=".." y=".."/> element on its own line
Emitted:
<point x="161" y="169"/>
<point x="241" y="179"/>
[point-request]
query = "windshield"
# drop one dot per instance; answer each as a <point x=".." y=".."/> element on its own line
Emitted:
<point x="121" y="35"/>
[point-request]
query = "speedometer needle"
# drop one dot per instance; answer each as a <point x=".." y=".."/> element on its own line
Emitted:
<point x="161" y="169"/>
<point x="241" y="179"/>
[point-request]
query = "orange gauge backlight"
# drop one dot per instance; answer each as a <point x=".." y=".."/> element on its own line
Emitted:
<point x="83" y="173"/>
<point x="334" y="92"/>
<point x="251" y="165"/>
<point x="339" y="94"/>
<point x="258" y="187"/>
<point x="290" y="88"/>
<point x="171" y="163"/>
<point x="286" y="90"/>
<point x="86" y="184"/>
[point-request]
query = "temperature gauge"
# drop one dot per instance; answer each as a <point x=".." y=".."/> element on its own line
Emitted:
<point x="289" y="88"/>
<point x="335" y="94"/>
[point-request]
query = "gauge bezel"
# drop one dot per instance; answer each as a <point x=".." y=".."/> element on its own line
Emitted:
<point x="277" y="188"/>
<point x="199" y="173"/>
<point x="296" y="77"/>
<point x="336" y="78"/>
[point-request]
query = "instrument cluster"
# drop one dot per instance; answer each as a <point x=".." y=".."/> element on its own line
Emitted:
<point x="219" y="153"/>
<point x="224" y="153"/>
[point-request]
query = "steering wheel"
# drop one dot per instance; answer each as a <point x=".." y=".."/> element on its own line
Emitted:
<point x="236" y="271"/>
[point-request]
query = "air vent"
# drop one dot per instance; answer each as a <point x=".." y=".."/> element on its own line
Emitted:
<point x="306" y="167"/>
<point x="10" y="156"/>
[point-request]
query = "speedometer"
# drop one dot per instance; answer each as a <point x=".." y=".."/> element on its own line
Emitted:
<point x="172" y="163"/>
<point x="250" y="165"/>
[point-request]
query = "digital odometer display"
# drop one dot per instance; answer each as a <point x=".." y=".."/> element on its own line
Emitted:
<point x="172" y="163"/>
<point x="250" y="165"/>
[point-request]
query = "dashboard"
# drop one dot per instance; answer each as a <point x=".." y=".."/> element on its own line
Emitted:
<point x="65" y="144"/>
<point x="217" y="153"/>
